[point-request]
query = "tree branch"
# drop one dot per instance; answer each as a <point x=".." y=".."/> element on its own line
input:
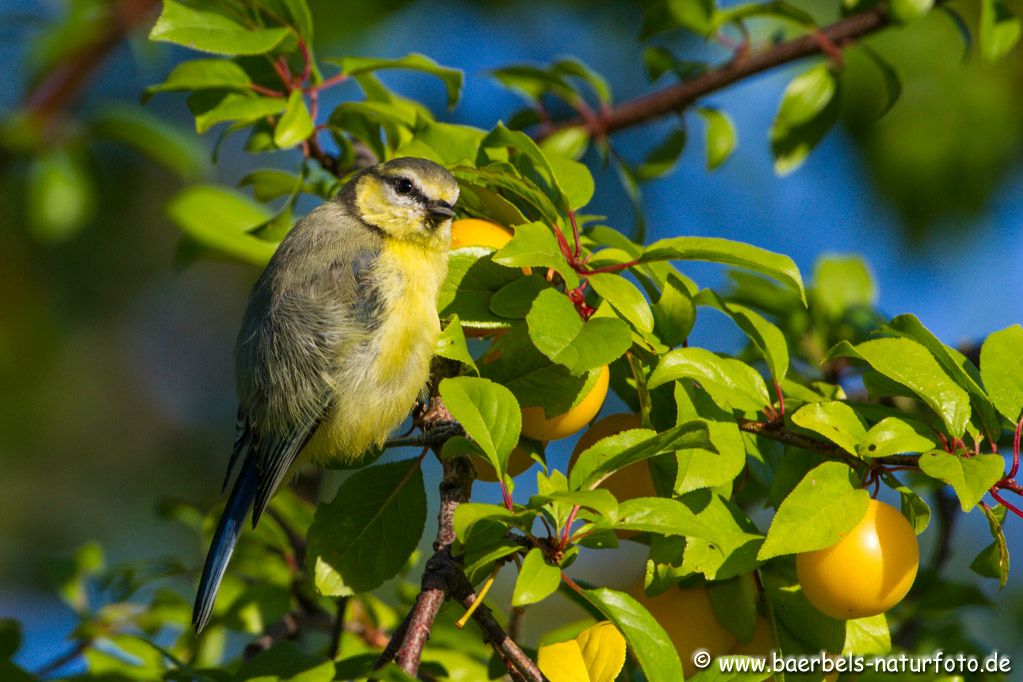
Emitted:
<point x="677" y="97"/>
<point x="775" y="430"/>
<point x="58" y="88"/>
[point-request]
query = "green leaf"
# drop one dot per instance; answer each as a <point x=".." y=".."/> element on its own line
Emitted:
<point x="559" y="333"/>
<point x="534" y="245"/>
<point x="914" y="508"/>
<point x="720" y="136"/>
<point x="892" y="80"/>
<point x="574" y="179"/>
<point x="648" y="641"/>
<point x="906" y="11"/>
<point x="822" y="508"/>
<point x="841" y="283"/>
<point x="730" y="549"/>
<point x="834" y="420"/>
<point x="241" y="108"/>
<point x="295" y="124"/>
<point x="472" y="280"/>
<point x="452" y="78"/>
<point x="962" y="371"/>
<point x="269" y="183"/>
<point x="767" y="337"/>
<point x="489" y="414"/>
<point x="866" y="636"/>
<point x="152" y="137"/>
<point x="625" y="298"/>
<point x="451" y="345"/>
<point x="808" y="110"/>
<point x="970" y="477"/>
<point x="999" y="29"/>
<point x="728" y="252"/>
<point x="60" y="199"/>
<point x="615" y="452"/>
<point x="537" y="579"/>
<point x="286" y="662"/>
<point x="806" y="96"/>
<point x="732" y="383"/>
<point x="514" y="362"/>
<point x="694" y="15"/>
<point x="200" y="74"/>
<point x="913" y="366"/>
<point x="574" y="67"/>
<point x="514" y="300"/>
<point x="661" y="516"/>
<point x="211" y="32"/>
<point x="734" y="603"/>
<point x="345" y="553"/>
<point x="221" y="219"/>
<point x="893" y="436"/>
<point x="674" y="312"/>
<point x="1001" y="369"/>
<point x="663" y="157"/>
<point x="993" y="560"/>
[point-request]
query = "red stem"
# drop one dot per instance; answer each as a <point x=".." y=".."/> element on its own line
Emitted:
<point x="307" y="69"/>
<point x="269" y="92"/>
<point x="506" y="496"/>
<point x="781" y="398"/>
<point x="617" y="267"/>
<point x="284" y="73"/>
<point x="575" y="232"/>
<point x="1011" y="507"/>
<point x="329" y="82"/>
<point x="568" y="526"/>
<point x="571" y="583"/>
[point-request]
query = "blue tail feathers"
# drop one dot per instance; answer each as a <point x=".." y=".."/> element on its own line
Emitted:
<point x="224" y="540"/>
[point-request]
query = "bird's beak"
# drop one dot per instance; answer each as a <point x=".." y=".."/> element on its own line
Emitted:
<point x="440" y="210"/>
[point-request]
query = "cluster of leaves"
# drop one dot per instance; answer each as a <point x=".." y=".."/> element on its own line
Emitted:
<point x="827" y="398"/>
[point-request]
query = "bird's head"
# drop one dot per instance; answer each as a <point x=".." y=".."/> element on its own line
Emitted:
<point x="408" y="198"/>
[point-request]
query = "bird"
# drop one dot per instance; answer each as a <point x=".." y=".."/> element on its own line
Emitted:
<point x="336" y="340"/>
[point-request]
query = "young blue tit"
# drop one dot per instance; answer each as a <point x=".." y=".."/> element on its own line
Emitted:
<point x="336" y="341"/>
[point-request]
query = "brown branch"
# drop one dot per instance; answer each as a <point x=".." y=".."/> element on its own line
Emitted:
<point x="61" y="86"/>
<point x="775" y="430"/>
<point x="677" y="97"/>
<point x="443" y="577"/>
<point x="515" y="660"/>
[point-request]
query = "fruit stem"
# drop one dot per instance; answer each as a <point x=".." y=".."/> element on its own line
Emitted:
<point x="781" y="399"/>
<point x="571" y="583"/>
<point x="568" y="527"/>
<point x="575" y="232"/>
<point x="506" y="496"/>
<point x="1005" y="503"/>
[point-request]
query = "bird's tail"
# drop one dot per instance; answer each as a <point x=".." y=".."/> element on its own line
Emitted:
<point x="224" y="540"/>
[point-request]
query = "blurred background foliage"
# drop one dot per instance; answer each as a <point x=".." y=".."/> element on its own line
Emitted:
<point x="115" y="365"/>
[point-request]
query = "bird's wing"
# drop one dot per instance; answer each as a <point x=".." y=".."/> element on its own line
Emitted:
<point x="293" y="338"/>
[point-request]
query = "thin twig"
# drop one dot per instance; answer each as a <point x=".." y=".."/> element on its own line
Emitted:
<point x="775" y="430"/>
<point x="676" y="97"/>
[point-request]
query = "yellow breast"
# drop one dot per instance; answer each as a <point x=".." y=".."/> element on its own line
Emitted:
<point x="380" y="380"/>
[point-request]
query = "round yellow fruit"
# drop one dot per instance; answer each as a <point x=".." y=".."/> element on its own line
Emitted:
<point x="476" y="232"/>
<point x="518" y="461"/>
<point x="686" y="615"/>
<point x="538" y="426"/>
<point x="634" y="480"/>
<point x="868" y="572"/>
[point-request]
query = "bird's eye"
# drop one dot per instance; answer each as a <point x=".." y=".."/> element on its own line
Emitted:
<point x="404" y="186"/>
